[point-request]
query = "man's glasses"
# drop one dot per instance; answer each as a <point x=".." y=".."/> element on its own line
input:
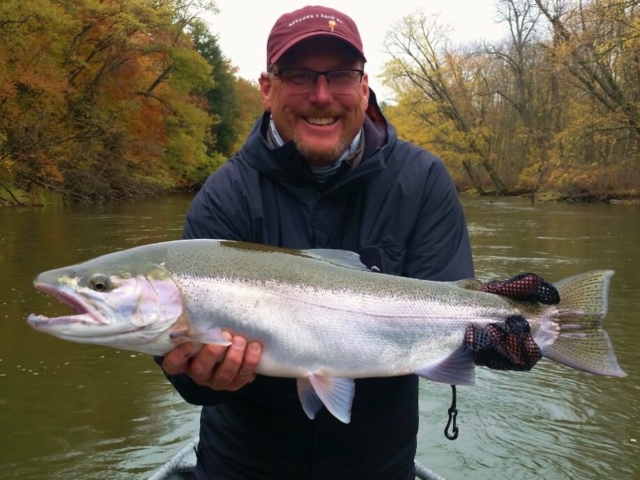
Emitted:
<point x="303" y="80"/>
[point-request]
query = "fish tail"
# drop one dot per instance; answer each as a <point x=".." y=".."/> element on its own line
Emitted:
<point x="576" y="337"/>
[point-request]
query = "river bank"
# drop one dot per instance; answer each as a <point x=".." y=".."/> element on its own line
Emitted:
<point x="14" y="197"/>
<point x="613" y="197"/>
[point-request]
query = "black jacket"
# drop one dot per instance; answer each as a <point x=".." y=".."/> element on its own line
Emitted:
<point x="399" y="205"/>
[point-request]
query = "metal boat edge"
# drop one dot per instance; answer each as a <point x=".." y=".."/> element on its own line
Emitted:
<point x="183" y="463"/>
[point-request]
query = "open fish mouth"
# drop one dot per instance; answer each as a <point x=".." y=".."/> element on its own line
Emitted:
<point x="84" y="313"/>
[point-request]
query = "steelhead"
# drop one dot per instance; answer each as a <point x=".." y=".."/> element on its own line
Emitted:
<point x="321" y="316"/>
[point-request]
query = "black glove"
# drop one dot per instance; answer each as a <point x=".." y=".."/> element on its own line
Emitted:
<point x="527" y="287"/>
<point x="506" y="345"/>
<point x="509" y="345"/>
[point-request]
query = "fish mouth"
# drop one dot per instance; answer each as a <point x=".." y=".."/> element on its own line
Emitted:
<point x="84" y="312"/>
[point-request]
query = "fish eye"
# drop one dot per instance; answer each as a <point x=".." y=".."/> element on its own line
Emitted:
<point x="100" y="283"/>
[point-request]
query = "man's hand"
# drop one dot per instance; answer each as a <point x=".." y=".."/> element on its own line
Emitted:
<point x="504" y="345"/>
<point x="215" y="366"/>
<point x="508" y="345"/>
<point x="527" y="287"/>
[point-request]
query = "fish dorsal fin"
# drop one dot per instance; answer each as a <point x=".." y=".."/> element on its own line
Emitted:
<point x="341" y="258"/>
<point x="457" y="368"/>
<point x="336" y="394"/>
<point x="469" y="284"/>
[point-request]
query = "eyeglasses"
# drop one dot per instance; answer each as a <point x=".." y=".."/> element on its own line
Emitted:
<point x="303" y="80"/>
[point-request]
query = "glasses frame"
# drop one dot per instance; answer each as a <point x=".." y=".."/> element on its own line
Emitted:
<point x="317" y="73"/>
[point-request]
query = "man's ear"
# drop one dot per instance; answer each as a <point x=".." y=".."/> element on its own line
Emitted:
<point x="265" y="90"/>
<point x="365" y="89"/>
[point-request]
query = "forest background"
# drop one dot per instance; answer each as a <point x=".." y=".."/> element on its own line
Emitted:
<point x="107" y="99"/>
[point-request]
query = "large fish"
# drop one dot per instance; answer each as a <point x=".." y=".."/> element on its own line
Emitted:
<point x="321" y="316"/>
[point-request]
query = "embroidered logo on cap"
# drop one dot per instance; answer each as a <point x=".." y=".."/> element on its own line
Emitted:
<point x="332" y="25"/>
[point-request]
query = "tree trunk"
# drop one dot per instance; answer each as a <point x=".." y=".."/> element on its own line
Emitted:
<point x="495" y="178"/>
<point x="16" y="202"/>
<point x="475" y="181"/>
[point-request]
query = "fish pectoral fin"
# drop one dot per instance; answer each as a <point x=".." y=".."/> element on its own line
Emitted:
<point x="311" y="403"/>
<point x="457" y="368"/>
<point x="213" y="336"/>
<point x="336" y="394"/>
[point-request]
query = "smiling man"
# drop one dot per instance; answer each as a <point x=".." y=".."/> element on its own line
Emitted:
<point x="317" y="97"/>
<point x="321" y="169"/>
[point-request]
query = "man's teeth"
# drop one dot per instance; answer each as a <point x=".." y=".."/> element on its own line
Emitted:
<point x="321" y="121"/>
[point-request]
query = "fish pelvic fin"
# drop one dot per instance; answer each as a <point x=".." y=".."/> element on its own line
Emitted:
<point x="576" y="337"/>
<point x="456" y="368"/>
<point x="336" y="394"/>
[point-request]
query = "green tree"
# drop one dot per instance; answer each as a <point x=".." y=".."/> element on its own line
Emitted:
<point x="223" y="104"/>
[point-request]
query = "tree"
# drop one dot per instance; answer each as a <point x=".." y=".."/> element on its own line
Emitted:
<point x="102" y="98"/>
<point x="223" y="104"/>
<point x="250" y="107"/>
<point x="598" y="44"/>
<point x="447" y="82"/>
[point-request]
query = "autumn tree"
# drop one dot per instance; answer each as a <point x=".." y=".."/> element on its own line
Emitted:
<point x="598" y="43"/>
<point x="33" y="88"/>
<point x="423" y="62"/>
<point x="102" y="99"/>
<point x="527" y="92"/>
<point x="553" y="104"/>
<point x="250" y="108"/>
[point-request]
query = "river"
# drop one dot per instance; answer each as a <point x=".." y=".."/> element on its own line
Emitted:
<point x="79" y="411"/>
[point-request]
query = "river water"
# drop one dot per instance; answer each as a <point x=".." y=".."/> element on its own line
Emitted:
<point x="79" y="411"/>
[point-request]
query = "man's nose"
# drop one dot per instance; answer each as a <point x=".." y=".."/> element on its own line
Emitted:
<point x="321" y="91"/>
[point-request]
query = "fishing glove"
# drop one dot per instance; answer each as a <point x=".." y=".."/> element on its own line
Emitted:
<point x="509" y="345"/>
<point x="527" y="287"/>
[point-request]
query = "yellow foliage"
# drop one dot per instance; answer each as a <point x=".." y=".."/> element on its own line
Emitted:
<point x="560" y="112"/>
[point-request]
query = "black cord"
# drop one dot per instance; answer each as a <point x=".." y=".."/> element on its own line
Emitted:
<point x="453" y="413"/>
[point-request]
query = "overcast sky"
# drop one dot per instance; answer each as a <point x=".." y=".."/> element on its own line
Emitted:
<point x="243" y="26"/>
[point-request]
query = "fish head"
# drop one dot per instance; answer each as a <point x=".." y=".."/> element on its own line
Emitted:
<point x="119" y="303"/>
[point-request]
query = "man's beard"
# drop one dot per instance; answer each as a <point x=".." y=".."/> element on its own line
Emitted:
<point x="321" y="156"/>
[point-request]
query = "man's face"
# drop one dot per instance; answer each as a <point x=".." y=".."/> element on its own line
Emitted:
<point x="324" y="120"/>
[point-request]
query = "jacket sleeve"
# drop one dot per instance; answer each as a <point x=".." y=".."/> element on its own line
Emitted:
<point x="438" y="247"/>
<point x="215" y="212"/>
<point x="220" y="209"/>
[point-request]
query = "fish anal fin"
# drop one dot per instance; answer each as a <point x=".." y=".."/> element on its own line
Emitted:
<point x="457" y="368"/>
<point x="336" y="394"/>
<point x="311" y="403"/>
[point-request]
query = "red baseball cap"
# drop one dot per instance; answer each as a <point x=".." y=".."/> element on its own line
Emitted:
<point x="308" y="22"/>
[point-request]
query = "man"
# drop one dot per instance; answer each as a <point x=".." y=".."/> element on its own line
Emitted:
<point x="321" y="169"/>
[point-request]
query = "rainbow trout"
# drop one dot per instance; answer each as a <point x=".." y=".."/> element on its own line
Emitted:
<point x="321" y="316"/>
